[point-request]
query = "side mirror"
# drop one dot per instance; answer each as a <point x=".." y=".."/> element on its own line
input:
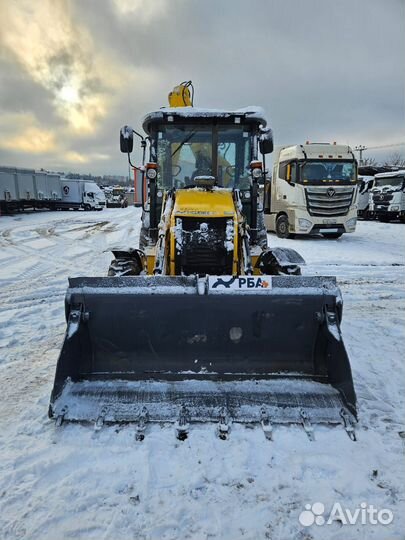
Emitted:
<point x="126" y="139"/>
<point x="266" y="144"/>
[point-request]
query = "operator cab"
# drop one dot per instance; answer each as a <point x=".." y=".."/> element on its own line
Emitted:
<point x="187" y="143"/>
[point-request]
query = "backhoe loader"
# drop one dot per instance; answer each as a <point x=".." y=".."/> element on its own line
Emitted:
<point x="204" y="322"/>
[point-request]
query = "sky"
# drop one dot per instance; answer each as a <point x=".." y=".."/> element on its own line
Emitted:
<point x="72" y="72"/>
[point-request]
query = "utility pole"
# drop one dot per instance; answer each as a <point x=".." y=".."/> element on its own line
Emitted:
<point x="360" y="148"/>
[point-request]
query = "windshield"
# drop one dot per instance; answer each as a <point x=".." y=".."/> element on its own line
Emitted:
<point x="318" y="172"/>
<point x="184" y="152"/>
<point x="390" y="181"/>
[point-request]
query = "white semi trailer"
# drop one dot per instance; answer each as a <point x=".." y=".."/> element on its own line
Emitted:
<point x="387" y="198"/>
<point x="28" y="188"/>
<point x="78" y="193"/>
<point x="313" y="190"/>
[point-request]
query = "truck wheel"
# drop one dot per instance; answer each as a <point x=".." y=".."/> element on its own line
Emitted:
<point x="124" y="267"/>
<point x="282" y="227"/>
<point x="87" y="207"/>
<point x="332" y="236"/>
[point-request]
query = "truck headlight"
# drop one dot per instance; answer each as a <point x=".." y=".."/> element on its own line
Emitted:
<point x="304" y="224"/>
<point x="394" y="208"/>
<point x="351" y="223"/>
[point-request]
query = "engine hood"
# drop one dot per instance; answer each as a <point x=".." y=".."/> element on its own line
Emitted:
<point x="200" y="202"/>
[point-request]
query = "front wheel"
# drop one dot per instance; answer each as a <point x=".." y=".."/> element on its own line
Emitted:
<point x="124" y="267"/>
<point x="332" y="236"/>
<point x="282" y="227"/>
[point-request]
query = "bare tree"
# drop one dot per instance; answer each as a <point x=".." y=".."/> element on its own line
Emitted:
<point x="369" y="162"/>
<point x="396" y="159"/>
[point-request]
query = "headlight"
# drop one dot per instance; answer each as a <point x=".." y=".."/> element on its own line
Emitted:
<point x="151" y="173"/>
<point x="257" y="172"/>
<point x="159" y="194"/>
<point x="304" y="224"/>
<point x="247" y="194"/>
<point x="395" y="208"/>
<point x="351" y="223"/>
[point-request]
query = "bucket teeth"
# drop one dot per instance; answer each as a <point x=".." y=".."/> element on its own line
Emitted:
<point x="182" y="425"/>
<point x="141" y="426"/>
<point x="348" y="424"/>
<point x="306" y="422"/>
<point x="266" y="424"/>
<point x="223" y="424"/>
<point x="61" y="417"/>
<point x="98" y="424"/>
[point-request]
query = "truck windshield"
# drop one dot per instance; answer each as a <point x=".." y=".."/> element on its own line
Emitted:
<point x="184" y="152"/>
<point x="395" y="182"/>
<point x="319" y="172"/>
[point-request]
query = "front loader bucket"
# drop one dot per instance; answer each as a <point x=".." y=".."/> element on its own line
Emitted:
<point x="156" y="347"/>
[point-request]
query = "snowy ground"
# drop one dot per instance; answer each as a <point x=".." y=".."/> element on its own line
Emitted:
<point x="74" y="483"/>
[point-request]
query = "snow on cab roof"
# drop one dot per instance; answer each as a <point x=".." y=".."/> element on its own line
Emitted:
<point x="251" y="112"/>
<point x="391" y="174"/>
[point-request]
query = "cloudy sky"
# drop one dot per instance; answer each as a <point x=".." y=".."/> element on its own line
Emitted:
<point x="73" y="71"/>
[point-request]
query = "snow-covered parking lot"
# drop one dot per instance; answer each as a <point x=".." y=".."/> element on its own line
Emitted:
<point x="72" y="482"/>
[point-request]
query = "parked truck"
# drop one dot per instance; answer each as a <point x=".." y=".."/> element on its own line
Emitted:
<point x="28" y="188"/>
<point x="116" y="197"/>
<point x="313" y="190"/>
<point x="387" y="198"/>
<point x="78" y="193"/>
<point x="365" y="184"/>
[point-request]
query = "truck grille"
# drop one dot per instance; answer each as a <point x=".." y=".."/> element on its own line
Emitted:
<point x="329" y="201"/>
<point x="382" y="199"/>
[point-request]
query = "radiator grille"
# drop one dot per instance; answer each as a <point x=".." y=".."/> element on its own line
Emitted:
<point x="329" y="201"/>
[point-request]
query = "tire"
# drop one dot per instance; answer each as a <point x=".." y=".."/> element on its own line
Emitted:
<point x="282" y="227"/>
<point x="87" y="207"/>
<point x="332" y="236"/>
<point x="124" y="267"/>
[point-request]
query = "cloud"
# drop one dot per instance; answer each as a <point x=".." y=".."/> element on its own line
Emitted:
<point x="142" y="10"/>
<point x="25" y="134"/>
<point x="322" y="70"/>
<point x="58" y="53"/>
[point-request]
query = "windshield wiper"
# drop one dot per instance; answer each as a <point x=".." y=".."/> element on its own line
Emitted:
<point x="184" y="142"/>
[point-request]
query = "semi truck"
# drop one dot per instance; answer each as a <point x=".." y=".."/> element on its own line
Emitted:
<point x="30" y="189"/>
<point x="387" y="198"/>
<point x="313" y="190"/>
<point x="27" y="188"/>
<point x="78" y="193"/>
<point x="366" y="184"/>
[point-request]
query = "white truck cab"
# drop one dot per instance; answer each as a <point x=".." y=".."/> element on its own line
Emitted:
<point x="313" y="190"/>
<point x="387" y="198"/>
<point x="78" y="193"/>
<point x="366" y="184"/>
<point x="93" y="196"/>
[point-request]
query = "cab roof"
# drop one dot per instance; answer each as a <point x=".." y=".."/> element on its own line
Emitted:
<point x="188" y="114"/>
<point x="391" y="174"/>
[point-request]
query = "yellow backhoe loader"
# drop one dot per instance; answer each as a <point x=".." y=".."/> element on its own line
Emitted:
<point x="203" y="322"/>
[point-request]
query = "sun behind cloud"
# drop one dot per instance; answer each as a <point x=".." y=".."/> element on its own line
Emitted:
<point x="58" y="53"/>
